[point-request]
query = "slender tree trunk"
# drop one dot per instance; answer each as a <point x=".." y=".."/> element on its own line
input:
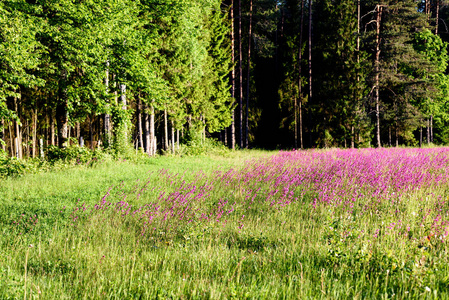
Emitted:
<point x="165" y="131"/>
<point x="225" y="137"/>
<point x="232" y="74"/>
<point x="249" y="71"/>
<point x="352" y="137"/>
<point x="177" y="139"/>
<point x="437" y="16"/>
<point x="420" y="134"/>
<point x="124" y="103"/>
<point x="52" y="130"/>
<point x="47" y="127"/>
<point x="240" y="77"/>
<point x="397" y="133"/>
<point x="146" y="121"/>
<point x="78" y="130"/>
<point x="431" y="128"/>
<point x="34" y="133"/>
<point x="310" y="70"/>
<point x="107" y="116"/>
<point x="153" y="144"/>
<point x="139" y="123"/>
<point x="11" y="139"/>
<point x="300" y="83"/>
<point x="2" y="134"/>
<point x="27" y="138"/>
<point x="376" y="70"/>
<point x="172" y="138"/>
<point x="18" y="129"/>
<point x="428" y="131"/>
<point x="62" y="115"/>
<point x="358" y="77"/>
<point x="91" y="132"/>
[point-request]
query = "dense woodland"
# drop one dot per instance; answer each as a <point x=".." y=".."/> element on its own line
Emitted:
<point x="147" y="74"/>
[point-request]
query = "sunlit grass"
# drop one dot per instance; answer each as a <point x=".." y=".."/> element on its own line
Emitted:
<point x="315" y="224"/>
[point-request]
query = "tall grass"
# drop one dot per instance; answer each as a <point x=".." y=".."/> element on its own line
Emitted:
<point x="304" y="224"/>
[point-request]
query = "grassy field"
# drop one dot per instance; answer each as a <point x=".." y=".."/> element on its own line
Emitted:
<point x="332" y="224"/>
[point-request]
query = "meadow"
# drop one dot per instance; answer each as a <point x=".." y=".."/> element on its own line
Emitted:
<point x="315" y="224"/>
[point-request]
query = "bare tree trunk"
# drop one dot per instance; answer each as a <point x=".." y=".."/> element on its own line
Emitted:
<point x="177" y="139"/>
<point x="225" y="137"/>
<point x="91" y="132"/>
<point x="11" y="140"/>
<point x="249" y="71"/>
<point x="358" y="75"/>
<point x="420" y="134"/>
<point x="124" y="103"/>
<point x="165" y="131"/>
<point x="78" y="130"/>
<point x="299" y="83"/>
<point x="428" y="131"/>
<point x="376" y="70"/>
<point x="172" y="138"/>
<point x="146" y="122"/>
<point x="153" y="143"/>
<point x="139" y="124"/>
<point x="310" y="70"/>
<point x="107" y="116"/>
<point x="2" y="133"/>
<point x="352" y="137"/>
<point x="18" y="129"/>
<point x="397" y="134"/>
<point x="232" y="74"/>
<point x="52" y="132"/>
<point x="431" y="128"/>
<point x="240" y="76"/>
<point x="34" y="132"/>
<point x="62" y="114"/>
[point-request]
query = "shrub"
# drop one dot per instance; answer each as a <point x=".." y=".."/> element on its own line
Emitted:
<point x="11" y="166"/>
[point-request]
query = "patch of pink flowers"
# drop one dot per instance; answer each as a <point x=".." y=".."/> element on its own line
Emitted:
<point x="345" y="179"/>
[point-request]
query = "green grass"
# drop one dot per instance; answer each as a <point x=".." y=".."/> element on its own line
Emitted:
<point x="288" y="253"/>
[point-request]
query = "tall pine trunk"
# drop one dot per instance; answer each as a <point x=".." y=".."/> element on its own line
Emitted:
<point x="240" y="77"/>
<point x="310" y="71"/>
<point x="437" y="16"/>
<point x="377" y="71"/>
<point x="249" y="72"/>
<point x="232" y="73"/>
<point x="299" y="84"/>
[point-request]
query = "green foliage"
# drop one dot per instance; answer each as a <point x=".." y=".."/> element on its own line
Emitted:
<point x="195" y="144"/>
<point x="75" y="154"/>
<point x="11" y="166"/>
<point x="122" y="129"/>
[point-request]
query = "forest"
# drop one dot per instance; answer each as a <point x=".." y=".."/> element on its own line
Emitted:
<point x="151" y="75"/>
